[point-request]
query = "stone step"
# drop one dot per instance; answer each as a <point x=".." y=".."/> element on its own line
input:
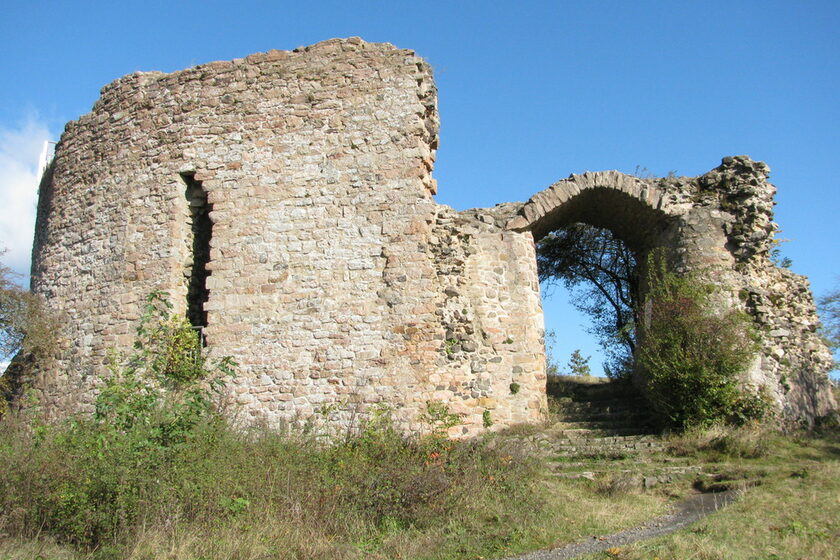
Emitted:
<point x="619" y="449"/>
<point x="596" y="425"/>
<point x="589" y="404"/>
<point x="643" y="468"/>
<point x="582" y="436"/>
<point x="589" y="447"/>
<point x="594" y="409"/>
<point x="602" y="416"/>
<point x="550" y="446"/>
<point x="606" y="433"/>
<point x="640" y="478"/>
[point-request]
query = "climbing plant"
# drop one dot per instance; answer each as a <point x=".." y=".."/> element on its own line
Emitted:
<point x="690" y="352"/>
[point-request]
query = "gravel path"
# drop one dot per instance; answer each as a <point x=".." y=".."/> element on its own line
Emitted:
<point x="688" y="511"/>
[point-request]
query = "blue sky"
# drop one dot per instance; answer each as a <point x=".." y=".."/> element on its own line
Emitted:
<point x="528" y="93"/>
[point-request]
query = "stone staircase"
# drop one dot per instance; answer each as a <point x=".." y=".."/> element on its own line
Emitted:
<point x="598" y="419"/>
<point x="599" y="429"/>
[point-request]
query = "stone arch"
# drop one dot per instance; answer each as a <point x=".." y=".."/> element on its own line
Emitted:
<point x="634" y="209"/>
<point x="637" y="211"/>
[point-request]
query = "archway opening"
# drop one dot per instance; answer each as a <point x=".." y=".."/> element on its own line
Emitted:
<point x="592" y="251"/>
<point x="595" y="275"/>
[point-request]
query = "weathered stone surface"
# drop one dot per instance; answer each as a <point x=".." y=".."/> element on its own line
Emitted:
<point x="335" y="280"/>
<point x="719" y="225"/>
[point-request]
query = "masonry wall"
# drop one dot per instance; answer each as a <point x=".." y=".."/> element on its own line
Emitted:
<point x="718" y="226"/>
<point x="335" y="280"/>
<point x="332" y="276"/>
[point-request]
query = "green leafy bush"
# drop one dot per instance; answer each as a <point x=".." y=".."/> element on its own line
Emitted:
<point x="691" y="354"/>
<point x="27" y="336"/>
<point x="165" y="385"/>
<point x="149" y="406"/>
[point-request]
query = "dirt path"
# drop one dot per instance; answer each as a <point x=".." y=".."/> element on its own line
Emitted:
<point x="688" y="511"/>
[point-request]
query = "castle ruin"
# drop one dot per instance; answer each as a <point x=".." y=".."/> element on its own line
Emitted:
<point x="285" y="201"/>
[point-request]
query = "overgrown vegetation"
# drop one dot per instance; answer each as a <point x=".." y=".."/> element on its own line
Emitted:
<point x="691" y="354"/>
<point x="26" y="332"/>
<point x="218" y="493"/>
<point x="156" y="471"/>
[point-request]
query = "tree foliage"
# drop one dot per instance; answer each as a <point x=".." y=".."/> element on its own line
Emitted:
<point x="601" y="271"/>
<point x="27" y="334"/>
<point x="578" y="365"/>
<point x="691" y="355"/>
<point x="829" y="307"/>
<point x="24" y="324"/>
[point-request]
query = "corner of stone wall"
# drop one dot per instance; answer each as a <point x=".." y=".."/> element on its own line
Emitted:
<point x="792" y="361"/>
<point x="492" y="353"/>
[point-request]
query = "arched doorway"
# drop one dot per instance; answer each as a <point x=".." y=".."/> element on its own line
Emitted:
<point x="601" y="227"/>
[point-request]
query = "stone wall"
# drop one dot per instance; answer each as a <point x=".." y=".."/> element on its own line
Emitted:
<point x="718" y="226"/>
<point x="332" y="276"/>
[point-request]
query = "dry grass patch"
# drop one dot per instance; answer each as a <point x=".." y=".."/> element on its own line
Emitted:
<point x="792" y="514"/>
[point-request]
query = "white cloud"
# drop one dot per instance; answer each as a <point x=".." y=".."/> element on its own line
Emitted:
<point x="20" y="149"/>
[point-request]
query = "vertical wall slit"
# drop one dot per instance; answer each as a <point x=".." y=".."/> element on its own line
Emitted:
<point x="201" y="231"/>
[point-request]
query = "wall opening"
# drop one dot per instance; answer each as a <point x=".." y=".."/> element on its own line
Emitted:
<point x="200" y="234"/>
<point x="598" y="241"/>
<point x="597" y="276"/>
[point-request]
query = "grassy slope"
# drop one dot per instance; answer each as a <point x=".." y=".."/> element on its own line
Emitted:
<point x="262" y="495"/>
<point x="225" y="496"/>
<point x="791" y="513"/>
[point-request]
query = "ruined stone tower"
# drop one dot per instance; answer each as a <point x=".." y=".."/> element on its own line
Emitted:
<point x="284" y="200"/>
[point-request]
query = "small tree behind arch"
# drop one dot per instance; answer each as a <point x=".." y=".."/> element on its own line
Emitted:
<point x="601" y="271"/>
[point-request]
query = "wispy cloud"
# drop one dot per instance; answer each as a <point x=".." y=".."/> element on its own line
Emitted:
<point x="20" y="148"/>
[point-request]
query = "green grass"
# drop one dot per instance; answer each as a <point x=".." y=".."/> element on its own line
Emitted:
<point x="789" y="510"/>
<point x="374" y="494"/>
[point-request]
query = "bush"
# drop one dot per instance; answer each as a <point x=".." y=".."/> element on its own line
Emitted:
<point x="99" y="471"/>
<point x="690" y="355"/>
<point x="27" y="335"/>
<point x="165" y="385"/>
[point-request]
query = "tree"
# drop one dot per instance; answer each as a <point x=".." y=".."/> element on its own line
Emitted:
<point x="26" y="333"/>
<point x="829" y="308"/>
<point x="601" y="271"/>
<point x="578" y="365"/>
<point x="24" y="324"/>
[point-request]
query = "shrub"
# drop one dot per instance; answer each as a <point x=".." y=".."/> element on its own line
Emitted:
<point x="27" y="336"/>
<point x="99" y="471"/>
<point x="690" y="354"/>
<point x="165" y="385"/>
